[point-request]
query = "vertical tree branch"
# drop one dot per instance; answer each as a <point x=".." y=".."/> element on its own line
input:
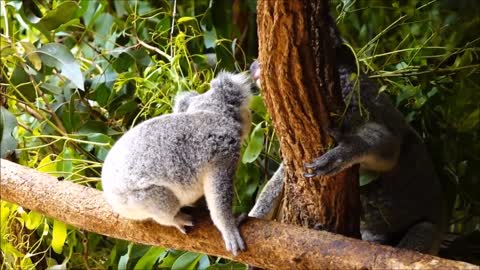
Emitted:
<point x="300" y="92"/>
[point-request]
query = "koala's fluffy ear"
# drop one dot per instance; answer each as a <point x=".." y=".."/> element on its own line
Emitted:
<point x="182" y="101"/>
<point x="224" y="78"/>
<point x="242" y="79"/>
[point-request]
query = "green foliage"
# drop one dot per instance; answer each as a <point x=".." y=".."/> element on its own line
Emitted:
<point x="75" y="76"/>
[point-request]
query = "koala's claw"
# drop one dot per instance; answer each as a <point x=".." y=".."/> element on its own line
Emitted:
<point x="326" y="165"/>
<point x="318" y="164"/>
<point x="330" y="171"/>
<point x="182" y="220"/>
<point x="309" y="175"/>
<point x="312" y="165"/>
<point x="234" y="242"/>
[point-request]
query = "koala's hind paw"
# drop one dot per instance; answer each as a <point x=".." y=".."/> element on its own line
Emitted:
<point x="182" y="220"/>
<point x="234" y="241"/>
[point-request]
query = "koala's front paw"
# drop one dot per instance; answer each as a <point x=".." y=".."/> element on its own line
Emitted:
<point x="328" y="164"/>
<point x="234" y="241"/>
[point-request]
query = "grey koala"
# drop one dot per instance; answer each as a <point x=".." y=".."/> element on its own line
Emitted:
<point x="403" y="206"/>
<point x="172" y="160"/>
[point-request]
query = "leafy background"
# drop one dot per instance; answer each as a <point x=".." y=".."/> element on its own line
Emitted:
<point x="75" y="75"/>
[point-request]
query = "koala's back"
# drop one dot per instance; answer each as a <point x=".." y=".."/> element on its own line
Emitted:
<point x="172" y="150"/>
<point x="408" y="194"/>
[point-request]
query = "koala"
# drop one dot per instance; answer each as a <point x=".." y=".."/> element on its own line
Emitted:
<point x="403" y="206"/>
<point x="172" y="160"/>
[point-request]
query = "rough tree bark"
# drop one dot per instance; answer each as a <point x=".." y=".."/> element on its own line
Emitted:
<point x="269" y="244"/>
<point x="300" y="91"/>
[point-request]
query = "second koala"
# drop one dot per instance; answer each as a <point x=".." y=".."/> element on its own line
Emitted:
<point x="403" y="206"/>
<point x="172" y="160"/>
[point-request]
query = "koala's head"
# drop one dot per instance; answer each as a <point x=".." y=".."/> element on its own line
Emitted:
<point x="234" y="93"/>
<point x="231" y="89"/>
<point x="229" y="95"/>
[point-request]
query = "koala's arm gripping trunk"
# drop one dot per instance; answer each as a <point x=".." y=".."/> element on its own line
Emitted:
<point x="300" y="91"/>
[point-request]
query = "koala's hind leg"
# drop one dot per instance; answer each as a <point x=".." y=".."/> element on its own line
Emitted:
<point x="423" y="237"/>
<point x="218" y="188"/>
<point x="160" y="204"/>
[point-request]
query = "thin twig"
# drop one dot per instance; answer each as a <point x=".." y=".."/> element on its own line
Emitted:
<point x="150" y="47"/>
<point x="174" y="13"/>
<point x="409" y="73"/>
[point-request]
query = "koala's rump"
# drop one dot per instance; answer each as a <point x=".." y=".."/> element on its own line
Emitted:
<point x="171" y="150"/>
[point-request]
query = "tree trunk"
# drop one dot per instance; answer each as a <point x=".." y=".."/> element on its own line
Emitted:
<point x="300" y="89"/>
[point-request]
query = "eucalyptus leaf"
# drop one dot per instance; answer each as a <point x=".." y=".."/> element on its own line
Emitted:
<point x="123" y="63"/>
<point x="48" y="165"/>
<point x="7" y="124"/>
<point x="21" y="80"/>
<point x="123" y="262"/>
<point x="26" y="263"/>
<point x="59" y="235"/>
<point x="125" y="108"/>
<point x="31" y="54"/>
<point x="367" y="176"/>
<point x="170" y="258"/>
<point x="4" y="215"/>
<point x="204" y="262"/>
<point x="149" y="259"/>
<point x="63" y="13"/>
<point x="10" y="249"/>
<point x="188" y="261"/>
<point x="93" y="126"/>
<point x="255" y="145"/>
<point x="34" y="220"/>
<point x="51" y="88"/>
<point x="185" y="19"/>
<point x="58" y="56"/>
<point x="209" y="37"/>
<point x="257" y="106"/>
<point x="65" y="164"/>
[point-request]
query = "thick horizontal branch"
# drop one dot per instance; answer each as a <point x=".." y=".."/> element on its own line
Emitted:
<point x="269" y="244"/>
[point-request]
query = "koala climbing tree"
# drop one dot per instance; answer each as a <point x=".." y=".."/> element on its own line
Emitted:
<point x="301" y="92"/>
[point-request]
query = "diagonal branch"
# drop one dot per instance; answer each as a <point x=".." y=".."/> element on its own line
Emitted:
<point x="269" y="244"/>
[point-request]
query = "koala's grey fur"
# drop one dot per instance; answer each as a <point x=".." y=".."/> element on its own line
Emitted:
<point x="404" y="205"/>
<point x="172" y="160"/>
<point x="269" y="198"/>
